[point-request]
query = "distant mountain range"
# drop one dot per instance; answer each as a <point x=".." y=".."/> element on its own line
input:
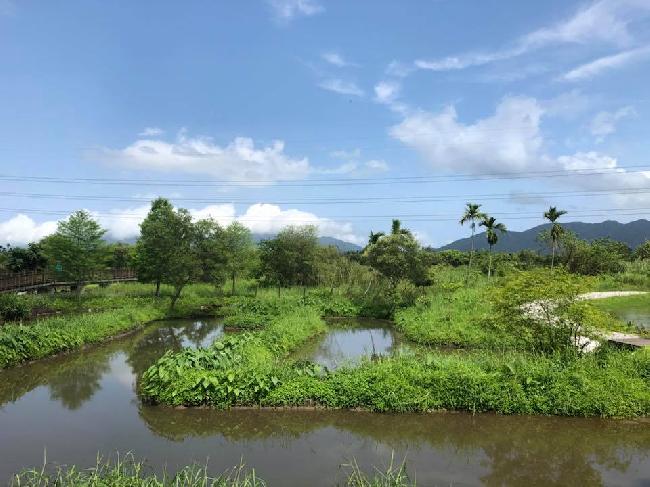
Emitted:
<point x="633" y="234"/>
<point x="342" y="245"/>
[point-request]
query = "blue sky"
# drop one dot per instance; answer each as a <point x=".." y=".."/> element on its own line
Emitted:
<point x="342" y="114"/>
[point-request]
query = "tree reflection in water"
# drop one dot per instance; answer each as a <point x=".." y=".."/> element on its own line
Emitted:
<point x="516" y="450"/>
<point x="74" y="378"/>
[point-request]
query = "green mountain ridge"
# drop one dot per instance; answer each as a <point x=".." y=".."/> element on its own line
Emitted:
<point x="633" y="234"/>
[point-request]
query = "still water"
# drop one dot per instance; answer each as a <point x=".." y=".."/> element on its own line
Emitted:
<point x="349" y="340"/>
<point x="76" y="405"/>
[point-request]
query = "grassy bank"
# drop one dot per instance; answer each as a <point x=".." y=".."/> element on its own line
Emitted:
<point x="122" y="309"/>
<point x="251" y="369"/>
<point x="132" y="473"/>
<point x="236" y="370"/>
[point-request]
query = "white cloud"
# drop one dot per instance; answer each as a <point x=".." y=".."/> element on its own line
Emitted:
<point x="336" y="59"/>
<point x="399" y="69"/>
<point x="341" y="87"/>
<point x="386" y="91"/>
<point x="605" y="21"/>
<point x="353" y="163"/>
<point x="240" y="160"/>
<point x="267" y="218"/>
<point x="608" y="176"/>
<point x="124" y="224"/>
<point x="567" y="105"/>
<point x="377" y="165"/>
<point x="509" y="140"/>
<point x="151" y="132"/>
<point x="287" y="10"/>
<point x="604" y="123"/>
<point x="594" y="68"/>
<point x="21" y="229"/>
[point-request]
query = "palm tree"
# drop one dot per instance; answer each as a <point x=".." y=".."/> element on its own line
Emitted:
<point x="396" y="228"/>
<point x="472" y="215"/>
<point x="491" y="228"/>
<point x="374" y="237"/>
<point x="557" y="230"/>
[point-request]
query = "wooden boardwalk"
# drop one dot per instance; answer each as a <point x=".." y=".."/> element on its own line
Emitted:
<point x="35" y="280"/>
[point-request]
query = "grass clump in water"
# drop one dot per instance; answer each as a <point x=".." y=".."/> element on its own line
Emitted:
<point x="127" y="472"/>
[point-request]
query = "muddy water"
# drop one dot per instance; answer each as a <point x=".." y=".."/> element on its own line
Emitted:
<point x="81" y="403"/>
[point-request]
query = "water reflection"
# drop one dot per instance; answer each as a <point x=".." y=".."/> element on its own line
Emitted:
<point x="514" y="450"/>
<point x="74" y="378"/>
<point x="78" y="404"/>
<point x="348" y="340"/>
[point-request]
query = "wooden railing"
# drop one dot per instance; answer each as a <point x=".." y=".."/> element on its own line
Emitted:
<point x="17" y="281"/>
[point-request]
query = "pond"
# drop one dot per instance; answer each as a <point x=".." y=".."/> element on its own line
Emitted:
<point x="78" y="404"/>
<point x="348" y="340"/>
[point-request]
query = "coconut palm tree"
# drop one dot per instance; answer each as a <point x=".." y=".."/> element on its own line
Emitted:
<point x="472" y="215"/>
<point x="552" y="215"/>
<point x="491" y="229"/>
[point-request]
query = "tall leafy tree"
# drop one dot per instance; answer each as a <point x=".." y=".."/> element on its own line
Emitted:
<point x="155" y="245"/>
<point x="182" y="264"/>
<point x="77" y="249"/>
<point x="492" y="231"/>
<point x="397" y="256"/>
<point x="238" y="251"/>
<point x="209" y="252"/>
<point x="552" y="215"/>
<point x="472" y="215"/>
<point x="290" y="257"/>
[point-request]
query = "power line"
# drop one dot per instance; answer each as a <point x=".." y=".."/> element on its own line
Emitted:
<point x="511" y="175"/>
<point x="340" y="200"/>
<point x="421" y="217"/>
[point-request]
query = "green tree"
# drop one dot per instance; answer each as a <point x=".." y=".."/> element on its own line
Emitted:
<point x="290" y="257"/>
<point x="182" y="264"/>
<point x="642" y="252"/>
<point x="397" y="256"/>
<point x="491" y="229"/>
<point x="155" y="245"/>
<point x="209" y="252"/>
<point x="471" y="215"/>
<point x="238" y="251"/>
<point x="552" y="215"/>
<point x="76" y="249"/>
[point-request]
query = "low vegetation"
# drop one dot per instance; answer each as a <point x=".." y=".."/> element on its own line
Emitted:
<point x="127" y="471"/>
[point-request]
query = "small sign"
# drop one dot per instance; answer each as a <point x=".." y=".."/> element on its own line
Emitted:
<point x="58" y="267"/>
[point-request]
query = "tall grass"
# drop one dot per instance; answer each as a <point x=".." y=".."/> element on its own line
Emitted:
<point x="128" y="472"/>
<point x="123" y="308"/>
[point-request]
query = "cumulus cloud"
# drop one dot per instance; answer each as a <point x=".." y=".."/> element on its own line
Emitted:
<point x="604" y="123"/>
<point x="628" y="189"/>
<point x="596" y="67"/>
<point x="287" y="10"/>
<point x="21" y="229"/>
<point x="605" y="21"/>
<point x="124" y="224"/>
<point x="240" y="160"/>
<point x="341" y="86"/>
<point x="509" y="140"/>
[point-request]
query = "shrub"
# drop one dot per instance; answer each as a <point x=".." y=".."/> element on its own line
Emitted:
<point x="13" y="307"/>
